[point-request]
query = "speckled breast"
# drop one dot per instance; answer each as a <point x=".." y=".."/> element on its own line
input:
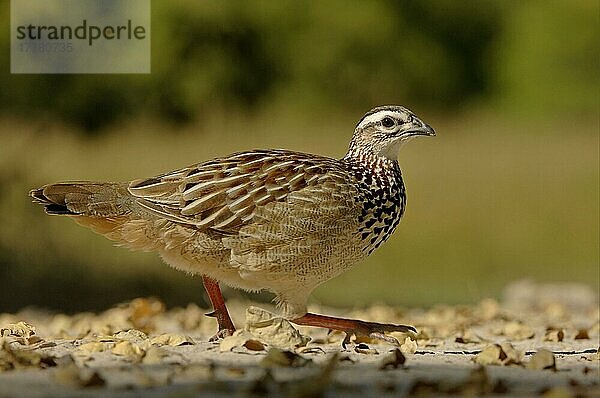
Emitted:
<point x="382" y="197"/>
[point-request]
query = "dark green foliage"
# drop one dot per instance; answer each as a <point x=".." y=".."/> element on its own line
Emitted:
<point x="439" y="54"/>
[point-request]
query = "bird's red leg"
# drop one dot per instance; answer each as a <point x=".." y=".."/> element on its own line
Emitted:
<point x="354" y="327"/>
<point x="226" y="327"/>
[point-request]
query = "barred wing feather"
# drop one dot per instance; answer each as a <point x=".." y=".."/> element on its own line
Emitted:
<point x="224" y="194"/>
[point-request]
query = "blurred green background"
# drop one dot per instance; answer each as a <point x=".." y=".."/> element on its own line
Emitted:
<point x="508" y="189"/>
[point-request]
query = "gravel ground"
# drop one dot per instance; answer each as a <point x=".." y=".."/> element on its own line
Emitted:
<point x="539" y="340"/>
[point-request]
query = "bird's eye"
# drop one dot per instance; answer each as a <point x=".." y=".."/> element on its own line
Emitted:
<point x="387" y="122"/>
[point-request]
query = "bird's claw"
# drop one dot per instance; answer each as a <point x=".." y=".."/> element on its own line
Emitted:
<point x="384" y="337"/>
<point x="226" y="327"/>
<point x="377" y="331"/>
<point x="221" y="334"/>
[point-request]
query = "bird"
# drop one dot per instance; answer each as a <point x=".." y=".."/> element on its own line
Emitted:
<point x="276" y="220"/>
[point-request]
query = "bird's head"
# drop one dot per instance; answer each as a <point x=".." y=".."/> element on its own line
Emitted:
<point x="382" y="131"/>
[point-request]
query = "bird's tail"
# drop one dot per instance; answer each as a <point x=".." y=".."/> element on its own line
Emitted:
<point x="84" y="198"/>
<point x="106" y="207"/>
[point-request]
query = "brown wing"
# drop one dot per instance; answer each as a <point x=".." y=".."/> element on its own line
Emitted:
<point x="223" y="194"/>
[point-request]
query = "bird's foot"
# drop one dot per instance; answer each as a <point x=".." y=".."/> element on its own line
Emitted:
<point x="376" y="331"/>
<point x="355" y="327"/>
<point x="226" y="327"/>
<point x="221" y="334"/>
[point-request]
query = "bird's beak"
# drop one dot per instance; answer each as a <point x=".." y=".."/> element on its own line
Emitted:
<point x="418" y="129"/>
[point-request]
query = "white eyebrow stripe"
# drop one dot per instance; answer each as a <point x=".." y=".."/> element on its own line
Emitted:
<point x="377" y="116"/>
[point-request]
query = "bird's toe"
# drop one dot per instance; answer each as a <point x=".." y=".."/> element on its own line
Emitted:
<point x="221" y="334"/>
